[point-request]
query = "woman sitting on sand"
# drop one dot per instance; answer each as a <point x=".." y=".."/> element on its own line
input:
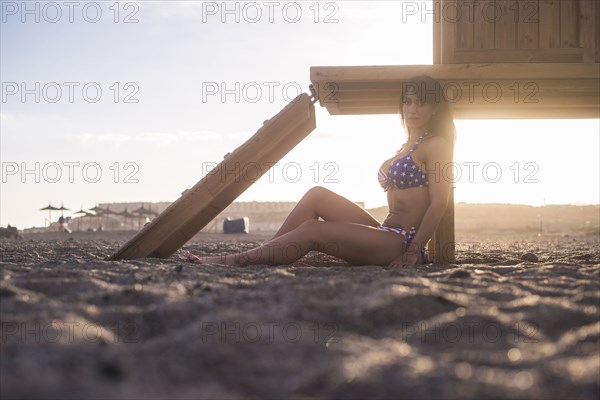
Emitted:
<point x="416" y="193"/>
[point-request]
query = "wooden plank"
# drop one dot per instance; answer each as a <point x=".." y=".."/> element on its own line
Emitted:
<point x="483" y="26"/>
<point x="597" y="39"/>
<point x="469" y="94"/>
<point x="549" y="25"/>
<point x="199" y="205"/>
<point x="350" y="91"/>
<point x="442" y="246"/>
<point x="437" y="32"/>
<point x="398" y="73"/>
<point x="464" y="26"/>
<point x="588" y="28"/>
<point x="449" y="40"/>
<point x="552" y="92"/>
<point x="444" y="235"/>
<point x="527" y="90"/>
<point x="564" y="55"/>
<point x="458" y="89"/>
<point x="569" y="24"/>
<point x="494" y="100"/>
<point x="165" y="226"/>
<point x="505" y="27"/>
<point x="580" y="112"/>
<point x="562" y="90"/>
<point x="464" y="113"/>
<point x="527" y="24"/>
<point x="491" y="111"/>
<point x="479" y="108"/>
<point x="497" y="97"/>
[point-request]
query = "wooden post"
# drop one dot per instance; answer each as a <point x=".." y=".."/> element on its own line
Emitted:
<point x="441" y="247"/>
<point x="199" y="205"/>
<point x="444" y="241"/>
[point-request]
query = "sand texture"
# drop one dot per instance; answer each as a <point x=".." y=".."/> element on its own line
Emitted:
<point x="496" y="324"/>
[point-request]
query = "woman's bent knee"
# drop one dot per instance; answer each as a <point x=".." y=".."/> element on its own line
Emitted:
<point x="317" y="192"/>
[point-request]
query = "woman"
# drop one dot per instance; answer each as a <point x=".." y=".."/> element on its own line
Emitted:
<point x="416" y="192"/>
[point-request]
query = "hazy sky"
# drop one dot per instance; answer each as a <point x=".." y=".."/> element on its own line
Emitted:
<point x="134" y="101"/>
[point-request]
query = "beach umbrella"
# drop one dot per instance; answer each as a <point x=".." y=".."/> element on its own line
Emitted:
<point x="98" y="210"/>
<point x="50" y="208"/>
<point x="107" y="212"/>
<point x="85" y="214"/>
<point x="63" y="208"/>
<point x="145" y="211"/>
<point x="152" y="212"/>
<point x="81" y="211"/>
<point x="89" y="215"/>
<point x="126" y="214"/>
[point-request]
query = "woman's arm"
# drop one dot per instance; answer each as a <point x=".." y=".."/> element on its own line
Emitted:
<point x="439" y="156"/>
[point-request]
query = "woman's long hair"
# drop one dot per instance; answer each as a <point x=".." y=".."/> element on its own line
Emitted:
<point x="430" y="91"/>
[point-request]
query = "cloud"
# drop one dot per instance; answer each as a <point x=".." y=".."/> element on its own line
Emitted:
<point x="200" y="136"/>
<point x="160" y="139"/>
<point x="91" y="138"/>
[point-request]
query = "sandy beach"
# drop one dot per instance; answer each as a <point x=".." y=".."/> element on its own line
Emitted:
<point x="515" y="317"/>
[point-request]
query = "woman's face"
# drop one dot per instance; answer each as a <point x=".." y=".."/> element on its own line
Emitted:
<point x="416" y="114"/>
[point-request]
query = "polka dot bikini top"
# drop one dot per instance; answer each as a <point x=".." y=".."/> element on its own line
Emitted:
<point x="403" y="172"/>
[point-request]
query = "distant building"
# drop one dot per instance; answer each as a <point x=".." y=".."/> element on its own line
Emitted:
<point x="261" y="206"/>
<point x="263" y="215"/>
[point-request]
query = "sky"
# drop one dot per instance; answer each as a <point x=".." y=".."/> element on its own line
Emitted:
<point x="111" y="101"/>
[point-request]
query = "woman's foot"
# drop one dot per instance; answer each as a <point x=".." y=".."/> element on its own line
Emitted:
<point x="230" y="261"/>
<point x="193" y="258"/>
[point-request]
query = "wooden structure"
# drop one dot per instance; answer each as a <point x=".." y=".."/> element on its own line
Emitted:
<point x="476" y="91"/>
<point x="494" y="58"/>
<point x="238" y="171"/>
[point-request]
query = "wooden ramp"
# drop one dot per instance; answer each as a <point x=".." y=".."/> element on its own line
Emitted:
<point x="239" y="170"/>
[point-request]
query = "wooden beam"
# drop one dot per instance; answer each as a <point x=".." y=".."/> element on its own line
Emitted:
<point x="239" y="170"/>
<point x="527" y="90"/>
<point x="382" y="73"/>
<point x="441" y="247"/>
<point x="469" y="114"/>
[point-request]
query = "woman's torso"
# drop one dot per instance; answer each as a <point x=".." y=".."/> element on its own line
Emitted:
<point x="408" y="204"/>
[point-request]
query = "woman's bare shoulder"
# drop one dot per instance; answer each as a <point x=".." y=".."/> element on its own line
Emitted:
<point x="437" y="143"/>
<point x="437" y="148"/>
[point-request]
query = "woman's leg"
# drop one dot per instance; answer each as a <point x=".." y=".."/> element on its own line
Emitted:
<point x="355" y="243"/>
<point x="329" y="206"/>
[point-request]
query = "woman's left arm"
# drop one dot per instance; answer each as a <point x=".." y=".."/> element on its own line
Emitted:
<point x="439" y="157"/>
